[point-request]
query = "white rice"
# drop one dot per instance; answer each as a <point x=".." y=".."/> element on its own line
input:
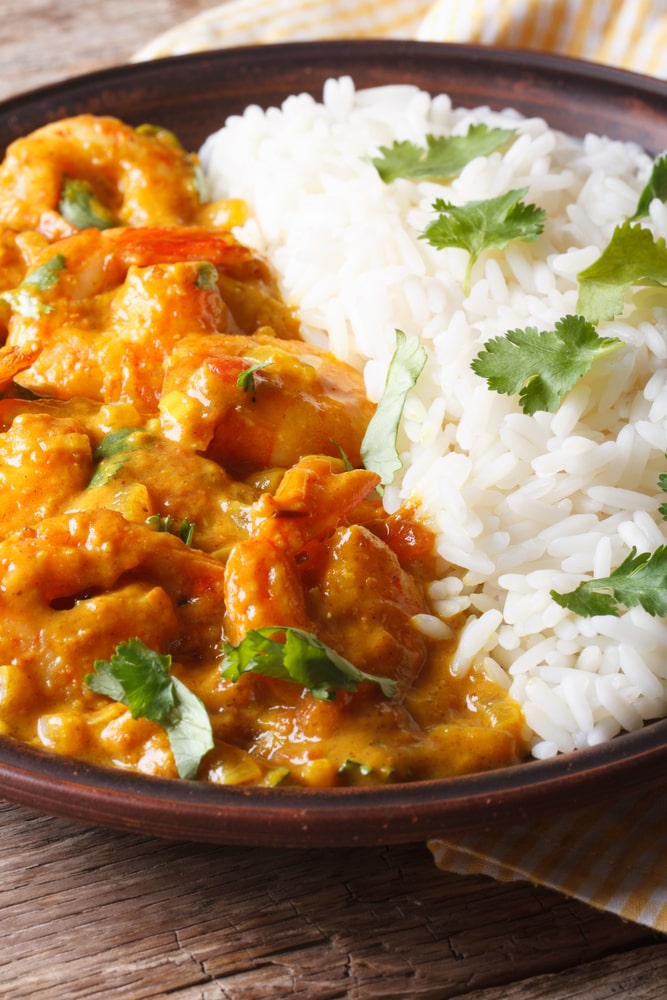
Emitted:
<point x="520" y="504"/>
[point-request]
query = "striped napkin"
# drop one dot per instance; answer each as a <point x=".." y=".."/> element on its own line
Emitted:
<point x="628" y="33"/>
<point x="613" y="858"/>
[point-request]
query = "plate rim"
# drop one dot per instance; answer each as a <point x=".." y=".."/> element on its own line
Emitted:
<point x="339" y="817"/>
<point x="309" y="817"/>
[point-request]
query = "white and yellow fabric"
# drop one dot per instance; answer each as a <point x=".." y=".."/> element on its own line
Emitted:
<point x="631" y="34"/>
<point x="613" y="858"/>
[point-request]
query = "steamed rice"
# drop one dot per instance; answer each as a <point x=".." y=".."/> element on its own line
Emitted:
<point x="520" y="504"/>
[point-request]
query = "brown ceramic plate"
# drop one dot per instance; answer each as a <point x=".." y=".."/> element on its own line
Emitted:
<point x="192" y="95"/>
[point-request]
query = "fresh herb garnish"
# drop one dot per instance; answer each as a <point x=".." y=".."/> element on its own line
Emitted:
<point x="355" y="765"/>
<point x="246" y="379"/>
<point x="185" y="531"/>
<point x="442" y="158"/>
<point x="82" y="209"/>
<point x="159" y="132"/>
<point x="344" y="457"/>
<point x="301" y="658"/>
<point x="640" y="580"/>
<point x="542" y="367"/>
<point x="662" y="484"/>
<point x="23" y="299"/>
<point x="378" y="448"/>
<point x="112" y="452"/>
<point x="632" y="257"/>
<point x="46" y="275"/>
<point x="207" y="276"/>
<point x="656" y="187"/>
<point x="484" y="225"/>
<point x="140" y="678"/>
<point x="114" y="443"/>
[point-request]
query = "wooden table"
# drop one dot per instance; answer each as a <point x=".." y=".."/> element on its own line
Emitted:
<point x="88" y="913"/>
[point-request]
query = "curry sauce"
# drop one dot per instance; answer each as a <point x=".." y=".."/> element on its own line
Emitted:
<point x="180" y="474"/>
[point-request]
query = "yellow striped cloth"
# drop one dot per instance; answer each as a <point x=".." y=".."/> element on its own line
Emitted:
<point x="627" y="33"/>
<point x="613" y="858"/>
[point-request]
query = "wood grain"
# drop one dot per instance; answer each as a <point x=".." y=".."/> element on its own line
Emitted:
<point x="42" y="41"/>
<point x="90" y="913"/>
<point x="87" y="914"/>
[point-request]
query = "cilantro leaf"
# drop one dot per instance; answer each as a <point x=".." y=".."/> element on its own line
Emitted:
<point x="112" y="453"/>
<point x="656" y="187"/>
<point x="23" y="299"/>
<point x="302" y="658"/>
<point x="542" y="367"/>
<point x="378" y="448"/>
<point x="442" y="158"/>
<point x="46" y="275"/>
<point x="207" y="277"/>
<point x="160" y="132"/>
<point x="114" y="442"/>
<point x="632" y="257"/>
<point x="25" y="303"/>
<point x="185" y="532"/>
<point x="79" y="206"/>
<point x="345" y="458"/>
<point x="246" y="379"/>
<point x="355" y="765"/>
<point x="639" y="580"/>
<point x="140" y="678"/>
<point x="662" y="484"/>
<point x="484" y="225"/>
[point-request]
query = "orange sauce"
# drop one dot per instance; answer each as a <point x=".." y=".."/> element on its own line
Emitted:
<point x="125" y="412"/>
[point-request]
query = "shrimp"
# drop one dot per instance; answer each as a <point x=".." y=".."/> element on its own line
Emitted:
<point x="44" y="459"/>
<point x="17" y="252"/>
<point x="66" y="586"/>
<point x="307" y="565"/>
<point x="296" y="400"/>
<point x="106" y="308"/>
<point x="14" y="360"/>
<point x="262" y="582"/>
<point x="125" y="176"/>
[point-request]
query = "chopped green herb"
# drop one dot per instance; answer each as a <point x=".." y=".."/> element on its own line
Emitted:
<point x="656" y="187"/>
<point x="46" y="275"/>
<point x="112" y="452"/>
<point x="355" y="765"/>
<point x="159" y="132"/>
<point x="114" y="443"/>
<point x="82" y="209"/>
<point x="301" y="658"/>
<point x="632" y="257"/>
<point x="442" y="158"/>
<point x="140" y="678"/>
<point x="207" y="277"/>
<point x="23" y="299"/>
<point x="246" y="379"/>
<point x="484" y="225"/>
<point x="640" y="580"/>
<point x="185" y="531"/>
<point x="542" y="367"/>
<point x="200" y="183"/>
<point x="343" y="454"/>
<point x="378" y="448"/>
<point x="25" y="303"/>
<point x="662" y="484"/>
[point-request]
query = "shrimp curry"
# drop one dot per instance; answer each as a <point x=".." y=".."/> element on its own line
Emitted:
<point x="197" y="575"/>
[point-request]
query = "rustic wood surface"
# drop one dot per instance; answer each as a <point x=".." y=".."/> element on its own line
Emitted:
<point x="88" y="913"/>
